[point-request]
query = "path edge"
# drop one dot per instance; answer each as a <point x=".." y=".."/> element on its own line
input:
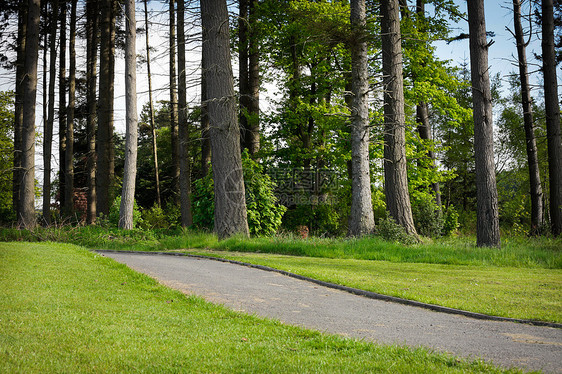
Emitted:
<point x="351" y="290"/>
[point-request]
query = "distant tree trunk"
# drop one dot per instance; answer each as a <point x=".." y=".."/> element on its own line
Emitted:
<point x="104" y="138"/>
<point x="69" y="158"/>
<point x="91" y="75"/>
<point x="26" y="218"/>
<point x="537" y="210"/>
<point x="361" y="219"/>
<point x="230" y="201"/>
<point x="62" y="104"/>
<point x="205" y="141"/>
<point x="151" y="109"/>
<point x="174" y="105"/>
<point x="18" y="108"/>
<point x="395" y="174"/>
<point x="487" y="222"/>
<point x="48" y="124"/>
<point x="131" y="121"/>
<point x="185" y="162"/>
<point x="552" y="117"/>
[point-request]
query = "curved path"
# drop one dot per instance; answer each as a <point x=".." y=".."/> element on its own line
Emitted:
<point x="306" y="304"/>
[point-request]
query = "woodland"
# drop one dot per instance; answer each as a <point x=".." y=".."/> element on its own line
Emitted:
<point x="367" y="132"/>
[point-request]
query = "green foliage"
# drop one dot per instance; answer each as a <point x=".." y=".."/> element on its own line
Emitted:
<point x="7" y="213"/>
<point x="263" y="212"/>
<point x="388" y="229"/>
<point x="428" y="217"/>
<point x="451" y="222"/>
<point x="113" y="217"/>
<point x="154" y="218"/>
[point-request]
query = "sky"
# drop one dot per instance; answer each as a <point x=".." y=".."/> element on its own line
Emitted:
<point x="501" y="60"/>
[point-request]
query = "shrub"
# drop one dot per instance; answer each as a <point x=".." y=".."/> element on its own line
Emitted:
<point x="154" y="218"/>
<point x="428" y="218"/>
<point x="113" y="217"/>
<point x="388" y="229"/>
<point x="451" y="221"/>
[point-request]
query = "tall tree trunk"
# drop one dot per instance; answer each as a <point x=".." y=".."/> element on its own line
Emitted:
<point x="244" y="84"/>
<point x="205" y="141"/>
<point x="69" y="158"/>
<point x="151" y="110"/>
<point x="26" y="218"/>
<point x="395" y="174"/>
<point x="174" y="106"/>
<point x="104" y="138"/>
<point x="537" y="213"/>
<point x="130" y="172"/>
<point x="62" y="104"/>
<point x="253" y="143"/>
<point x="230" y="200"/>
<point x="361" y="219"/>
<point x="18" y="108"/>
<point x="422" y="117"/>
<point x="487" y="222"/>
<point x="185" y="162"/>
<point x="91" y="75"/>
<point x="552" y="117"/>
<point x="48" y="124"/>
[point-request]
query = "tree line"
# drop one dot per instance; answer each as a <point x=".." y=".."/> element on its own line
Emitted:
<point x="367" y="122"/>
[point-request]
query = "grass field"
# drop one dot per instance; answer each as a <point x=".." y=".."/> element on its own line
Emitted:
<point x="64" y="309"/>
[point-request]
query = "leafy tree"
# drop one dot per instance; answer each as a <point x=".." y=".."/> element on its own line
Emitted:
<point x="6" y="155"/>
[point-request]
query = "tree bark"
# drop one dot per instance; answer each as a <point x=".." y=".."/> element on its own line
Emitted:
<point x="131" y="137"/>
<point x="69" y="158"/>
<point x="537" y="210"/>
<point x="48" y="124"/>
<point x="62" y="104"/>
<point x="487" y="222"/>
<point x="104" y="138"/>
<point x="151" y="109"/>
<point x="361" y="219"/>
<point x="91" y="74"/>
<point x="395" y="173"/>
<point x="26" y="218"/>
<point x="205" y="141"/>
<point x="174" y="105"/>
<point x="18" y="107"/>
<point x="230" y="201"/>
<point x="183" y="125"/>
<point x="552" y="117"/>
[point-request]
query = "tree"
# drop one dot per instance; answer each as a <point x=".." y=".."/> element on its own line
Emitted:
<point x="151" y="109"/>
<point x="174" y="104"/>
<point x="537" y="214"/>
<point x="104" y="140"/>
<point x="48" y="124"/>
<point x="487" y="216"/>
<point x="26" y="218"/>
<point x="91" y="80"/>
<point x="183" y="125"/>
<point x="395" y="173"/>
<point x="230" y="204"/>
<point x="130" y="171"/>
<point x="361" y="218"/>
<point x="69" y="151"/>
<point x="552" y="117"/>
<point x="62" y="104"/>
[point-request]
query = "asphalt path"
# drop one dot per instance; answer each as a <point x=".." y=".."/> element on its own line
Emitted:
<point x="302" y="303"/>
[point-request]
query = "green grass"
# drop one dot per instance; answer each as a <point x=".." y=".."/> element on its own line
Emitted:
<point x="523" y="293"/>
<point x="64" y="309"/>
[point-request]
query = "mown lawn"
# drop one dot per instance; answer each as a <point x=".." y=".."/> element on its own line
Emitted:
<point x="64" y="309"/>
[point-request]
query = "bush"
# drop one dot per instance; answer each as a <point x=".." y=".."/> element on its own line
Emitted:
<point x="113" y="217"/>
<point x="154" y="218"/>
<point x="451" y="221"/>
<point x="428" y="218"/>
<point x="389" y="230"/>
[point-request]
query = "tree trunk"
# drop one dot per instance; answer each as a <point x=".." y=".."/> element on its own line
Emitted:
<point x="253" y="143"/>
<point x="48" y="124"/>
<point x="395" y="174"/>
<point x="537" y="213"/>
<point x="151" y="109"/>
<point x="131" y="121"/>
<point x="361" y="219"/>
<point x="104" y="138"/>
<point x="18" y="107"/>
<point x="62" y="104"/>
<point x="183" y="125"/>
<point x="244" y="83"/>
<point x="487" y="223"/>
<point x="91" y="74"/>
<point x="174" y="105"/>
<point x="69" y="158"/>
<point x="230" y="201"/>
<point x="552" y="117"/>
<point x="26" y="218"/>
<point x="205" y="141"/>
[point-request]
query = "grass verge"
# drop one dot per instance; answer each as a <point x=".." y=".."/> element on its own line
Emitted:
<point x="64" y="309"/>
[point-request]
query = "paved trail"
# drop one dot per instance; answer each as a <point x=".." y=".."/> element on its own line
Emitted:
<point x="306" y="304"/>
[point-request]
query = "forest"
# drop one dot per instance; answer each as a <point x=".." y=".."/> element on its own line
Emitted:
<point x="327" y="118"/>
